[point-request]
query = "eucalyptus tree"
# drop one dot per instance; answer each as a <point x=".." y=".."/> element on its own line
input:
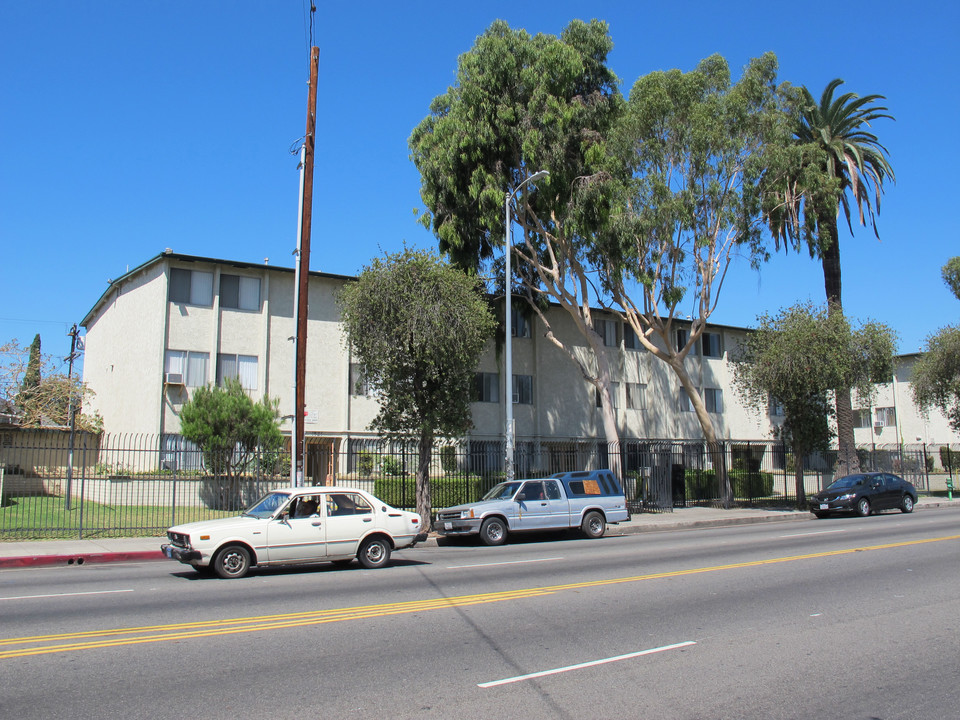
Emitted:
<point x="417" y="327"/>
<point x="697" y="146"/>
<point x="838" y="164"/>
<point x="796" y="358"/>
<point x="522" y="104"/>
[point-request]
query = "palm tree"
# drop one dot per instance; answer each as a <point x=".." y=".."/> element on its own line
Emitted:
<point x="837" y="163"/>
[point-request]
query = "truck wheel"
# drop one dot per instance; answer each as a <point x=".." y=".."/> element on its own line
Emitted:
<point x="374" y="553"/>
<point x="233" y="561"/>
<point x="593" y="525"/>
<point x="493" y="531"/>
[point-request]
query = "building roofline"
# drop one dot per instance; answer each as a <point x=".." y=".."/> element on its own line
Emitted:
<point x="179" y="257"/>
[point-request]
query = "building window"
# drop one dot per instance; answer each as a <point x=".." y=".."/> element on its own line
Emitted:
<point x="488" y="387"/>
<point x="710" y="342"/>
<point x="886" y="416"/>
<point x="359" y="386"/>
<point x="630" y="339"/>
<point x="606" y="329"/>
<point x="775" y="407"/>
<point x="682" y="337"/>
<point x="523" y="389"/>
<point x="713" y="399"/>
<point x="636" y="396"/>
<point x="861" y="418"/>
<point x="190" y="366"/>
<point x="239" y="292"/>
<point x="241" y="367"/>
<point x="614" y="395"/>
<point x="191" y="287"/>
<point x="685" y="404"/>
<point x="519" y="323"/>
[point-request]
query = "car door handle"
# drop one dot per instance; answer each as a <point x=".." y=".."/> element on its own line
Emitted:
<point x="316" y="524"/>
<point x="367" y="519"/>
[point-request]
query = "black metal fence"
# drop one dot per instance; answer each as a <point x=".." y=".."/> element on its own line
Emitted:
<point x="141" y="484"/>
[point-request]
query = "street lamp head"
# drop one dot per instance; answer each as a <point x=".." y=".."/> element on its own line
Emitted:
<point x="537" y="175"/>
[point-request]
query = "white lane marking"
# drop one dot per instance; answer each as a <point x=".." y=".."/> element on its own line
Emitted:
<point x="815" y="532"/>
<point x="74" y="594"/>
<point x="580" y="666"/>
<point x="511" y="562"/>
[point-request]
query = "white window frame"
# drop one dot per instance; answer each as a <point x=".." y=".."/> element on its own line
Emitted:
<point x="636" y="396"/>
<point x="707" y="342"/>
<point x="200" y="290"/>
<point x="614" y="395"/>
<point x="631" y="340"/>
<point x="519" y="323"/>
<point x="606" y="328"/>
<point x="245" y="369"/>
<point x="192" y="365"/>
<point x="713" y="400"/>
<point x="523" y="389"/>
<point x="359" y="386"/>
<point x="248" y="292"/>
<point x="488" y="387"/>
<point x="885" y="416"/>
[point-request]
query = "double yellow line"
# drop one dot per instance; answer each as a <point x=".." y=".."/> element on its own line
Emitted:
<point x="94" y="639"/>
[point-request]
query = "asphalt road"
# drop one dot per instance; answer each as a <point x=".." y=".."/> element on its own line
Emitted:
<point x="851" y="618"/>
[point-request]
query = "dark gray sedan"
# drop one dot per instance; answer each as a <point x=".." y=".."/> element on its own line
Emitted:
<point x="863" y="494"/>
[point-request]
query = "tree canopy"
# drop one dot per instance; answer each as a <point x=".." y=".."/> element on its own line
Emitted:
<point x="697" y="146"/>
<point x="936" y="375"/>
<point x="417" y="327"/>
<point x="797" y="357"/>
<point x="33" y="388"/>
<point x="230" y="428"/>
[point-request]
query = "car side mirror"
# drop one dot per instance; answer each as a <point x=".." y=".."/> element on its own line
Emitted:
<point x="520" y="497"/>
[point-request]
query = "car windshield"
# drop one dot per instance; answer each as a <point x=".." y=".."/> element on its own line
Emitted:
<point x="847" y="482"/>
<point x="503" y="491"/>
<point x="266" y="506"/>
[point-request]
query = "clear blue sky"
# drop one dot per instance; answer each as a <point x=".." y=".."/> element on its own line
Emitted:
<point x="130" y="127"/>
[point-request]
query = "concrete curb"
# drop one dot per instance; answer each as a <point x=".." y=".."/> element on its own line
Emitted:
<point x="81" y="558"/>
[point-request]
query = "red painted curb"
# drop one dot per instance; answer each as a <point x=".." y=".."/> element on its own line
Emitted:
<point x="81" y="558"/>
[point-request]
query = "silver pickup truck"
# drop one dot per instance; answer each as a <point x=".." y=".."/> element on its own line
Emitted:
<point x="587" y="500"/>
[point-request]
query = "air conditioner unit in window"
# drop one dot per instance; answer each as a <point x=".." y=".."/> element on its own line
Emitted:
<point x="878" y="426"/>
<point x="173" y="379"/>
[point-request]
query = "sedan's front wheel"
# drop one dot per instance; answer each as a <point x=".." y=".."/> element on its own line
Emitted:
<point x="906" y="505"/>
<point x="232" y="561"/>
<point x="863" y="507"/>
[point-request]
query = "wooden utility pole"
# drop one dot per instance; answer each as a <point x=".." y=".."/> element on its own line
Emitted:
<point x="303" y="274"/>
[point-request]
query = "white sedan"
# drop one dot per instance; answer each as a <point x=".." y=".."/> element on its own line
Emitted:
<point x="294" y="526"/>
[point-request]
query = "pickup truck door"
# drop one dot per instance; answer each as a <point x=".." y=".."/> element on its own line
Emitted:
<point x="542" y="506"/>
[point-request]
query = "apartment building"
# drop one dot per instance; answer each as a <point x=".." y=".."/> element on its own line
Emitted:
<point x="179" y="322"/>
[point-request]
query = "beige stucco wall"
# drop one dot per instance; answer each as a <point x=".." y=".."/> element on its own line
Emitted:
<point x="129" y="333"/>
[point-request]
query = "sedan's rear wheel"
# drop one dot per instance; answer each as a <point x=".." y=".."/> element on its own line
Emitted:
<point x="863" y="507"/>
<point x="906" y="504"/>
<point x="374" y="553"/>
<point x="233" y="561"/>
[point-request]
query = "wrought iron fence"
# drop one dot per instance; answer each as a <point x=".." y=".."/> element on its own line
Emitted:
<point x="141" y="484"/>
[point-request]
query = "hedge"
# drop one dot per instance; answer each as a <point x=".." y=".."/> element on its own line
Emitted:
<point x="702" y="484"/>
<point x="444" y="492"/>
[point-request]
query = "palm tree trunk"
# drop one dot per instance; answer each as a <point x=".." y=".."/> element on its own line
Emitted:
<point x="847" y="460"/>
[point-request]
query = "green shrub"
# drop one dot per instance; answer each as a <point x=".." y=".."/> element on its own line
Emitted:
<point x="448" y="459"/>
<point x="365" y="463"/>
<point x="391" y="466"/>
<point x="444" y="492"/>
<point x="948" y="458"/>
<point x="751" y="484"/>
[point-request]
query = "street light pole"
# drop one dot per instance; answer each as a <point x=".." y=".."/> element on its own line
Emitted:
<point x="508" y="322"/>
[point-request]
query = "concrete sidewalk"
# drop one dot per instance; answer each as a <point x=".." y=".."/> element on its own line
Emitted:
<point x="33" y="553"/>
